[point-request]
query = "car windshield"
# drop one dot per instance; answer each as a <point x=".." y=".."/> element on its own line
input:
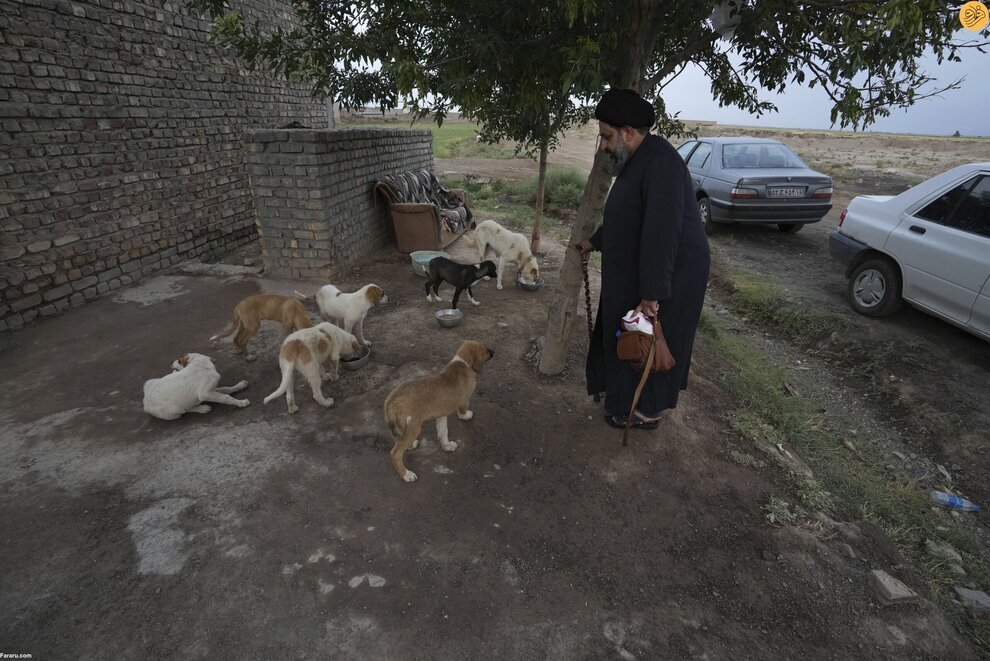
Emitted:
<point x="759" y="155"/>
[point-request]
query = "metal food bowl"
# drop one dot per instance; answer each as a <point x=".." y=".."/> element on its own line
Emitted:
<point x="421" y="260"/>
<point x="528" y="286"/>
<point x="358" y="361"/>
<point x="449" y="318"/>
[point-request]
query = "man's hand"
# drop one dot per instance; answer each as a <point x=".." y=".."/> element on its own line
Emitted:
<point x="649" y="308"/>
<point x="584" y="245"/>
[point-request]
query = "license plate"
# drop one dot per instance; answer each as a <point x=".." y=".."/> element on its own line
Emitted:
<point x="785" y="191"/>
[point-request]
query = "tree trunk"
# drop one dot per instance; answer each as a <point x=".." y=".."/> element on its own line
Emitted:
<point x="630" y="60"/>
<point x="563" y="307"/>
<point x="534" y="242"/>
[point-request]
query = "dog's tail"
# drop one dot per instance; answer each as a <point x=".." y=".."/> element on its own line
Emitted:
<point x="396" y="422"/>
<point x="301" y="296"/>
<point x="235" y="327"/>
<point x="287" y="369"/>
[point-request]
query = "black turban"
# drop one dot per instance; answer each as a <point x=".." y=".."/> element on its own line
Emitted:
<point x="622" y="107"/>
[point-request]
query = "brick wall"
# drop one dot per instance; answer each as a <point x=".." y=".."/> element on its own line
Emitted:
<point x="314" y="192"/>
<point x="120" y="150"/>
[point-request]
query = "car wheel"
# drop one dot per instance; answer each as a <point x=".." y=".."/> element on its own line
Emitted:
<point x="705" y="211"/>
<point x="790" y="228"/>
<point x="875" y="288"/>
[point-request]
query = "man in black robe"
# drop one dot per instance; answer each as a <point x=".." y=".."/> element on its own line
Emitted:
<point x="654" y="259"/>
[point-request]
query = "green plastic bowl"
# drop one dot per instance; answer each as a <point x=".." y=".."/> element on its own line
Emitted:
<point x="421" y="260"/>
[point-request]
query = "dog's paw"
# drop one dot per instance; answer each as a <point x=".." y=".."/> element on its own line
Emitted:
<point x="409" y="476"/>
<point x="250" y="358"/>
<point x="366" y="343"/>
<point x="324" y="376"/>
<point x="498" y="286"/>
<point x="242" y="385"/>
<point x="487" y="278"/>
<point x="476" y="303"/>
<point x="293" y="408"/>
<point x="242" y="403"/>
<point x="328" y="402"/>
<point x="415" y="444"/>
<point x="202" y="408"/>
<point x="466" y="416"/>
<point x="448" y="446"/>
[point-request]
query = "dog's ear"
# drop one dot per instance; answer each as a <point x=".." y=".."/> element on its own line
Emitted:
<point x="184" y="359"/>
<point x="374" y="294"/>
<point x="355" y="346"/>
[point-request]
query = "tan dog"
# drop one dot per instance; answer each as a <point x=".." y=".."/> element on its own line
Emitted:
<point x="508" y="246"/>
<point x="307" y="350"/>
<point x="249" y="313"/>
<point x="433" y="398"/>
<point x="348" y="310"/>
<point x="194" y="380"/>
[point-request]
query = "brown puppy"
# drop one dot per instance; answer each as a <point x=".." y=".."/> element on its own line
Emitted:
<point x="433" y="398"/>
<point x="307" y="350"/>
<point x="249" y="313"/>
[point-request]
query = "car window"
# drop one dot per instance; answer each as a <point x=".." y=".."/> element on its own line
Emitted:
<point x="973" y="213"/>
<point x="759" y="155"/>
<point x="685" y="149"/>
<point x="700" y="156"/>
<point x="942" y="207"/>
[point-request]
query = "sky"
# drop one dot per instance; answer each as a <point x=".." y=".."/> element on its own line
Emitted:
<point x="964" y="109"/>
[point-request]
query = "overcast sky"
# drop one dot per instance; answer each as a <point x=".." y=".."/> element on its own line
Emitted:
<point x="963" y="109"/>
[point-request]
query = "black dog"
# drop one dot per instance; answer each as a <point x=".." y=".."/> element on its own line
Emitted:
<point x="462" y="276"/>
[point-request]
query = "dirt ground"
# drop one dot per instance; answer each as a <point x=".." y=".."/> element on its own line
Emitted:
<point x="253" y="533"/>
<point x="931" y="379"/>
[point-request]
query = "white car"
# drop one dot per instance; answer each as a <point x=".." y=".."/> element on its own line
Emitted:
<point x="929" y="246"/>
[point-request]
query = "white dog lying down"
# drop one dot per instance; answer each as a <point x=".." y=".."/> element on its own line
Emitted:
<point x="184" y="390"/>
<point x="348" y="310"/>
<point x="508" y="246"/>
<point x="307" y="350"/>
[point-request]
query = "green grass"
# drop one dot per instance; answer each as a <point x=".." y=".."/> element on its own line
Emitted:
<point x="452" y="140"/>
<point x="840" y="481"/>
<point x="563" y="188"/>
<point x="765" y="302"/>
<point x="459" y="140"/>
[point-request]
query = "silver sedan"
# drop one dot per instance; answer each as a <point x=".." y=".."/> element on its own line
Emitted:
<point x="754" y="180"/>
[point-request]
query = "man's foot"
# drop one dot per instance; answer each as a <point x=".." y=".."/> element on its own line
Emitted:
<point x="619" y="421"/>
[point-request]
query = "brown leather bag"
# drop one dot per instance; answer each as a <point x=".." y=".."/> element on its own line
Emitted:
<point x="642" y="351"/>
<point x="634" y="347"/>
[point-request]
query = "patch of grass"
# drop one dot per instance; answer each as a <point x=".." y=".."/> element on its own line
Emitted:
<point x="763" y="301"/>
<point x="563" y="188"/>
<point x="460" y="140"/>
<point x="840" y="481"/>
<point x="452" y="140"/>
<point x="779" y="512"/>
<point x="746" y="459"/>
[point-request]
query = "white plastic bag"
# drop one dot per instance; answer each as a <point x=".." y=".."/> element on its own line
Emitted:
<point x="637" y="321"/>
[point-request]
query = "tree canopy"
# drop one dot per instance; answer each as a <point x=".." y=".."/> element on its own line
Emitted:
<point x="514" y="64"/>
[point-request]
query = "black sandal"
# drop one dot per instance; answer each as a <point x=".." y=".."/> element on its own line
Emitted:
<point x="619" y="422"/>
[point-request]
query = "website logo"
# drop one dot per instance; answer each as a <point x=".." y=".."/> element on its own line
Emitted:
<point x="974" y="16"/>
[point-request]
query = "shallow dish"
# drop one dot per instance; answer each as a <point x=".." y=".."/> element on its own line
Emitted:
<point x="359" y="361"/>
<point x="421" y="260"/>
<point x="527" y="285"/>
<point x="449" y="318"/>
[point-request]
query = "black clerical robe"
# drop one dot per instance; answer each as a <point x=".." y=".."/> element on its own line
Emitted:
<point x="653" y="247"/>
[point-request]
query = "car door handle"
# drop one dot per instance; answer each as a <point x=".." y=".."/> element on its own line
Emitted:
<point x="917" y="229"/>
